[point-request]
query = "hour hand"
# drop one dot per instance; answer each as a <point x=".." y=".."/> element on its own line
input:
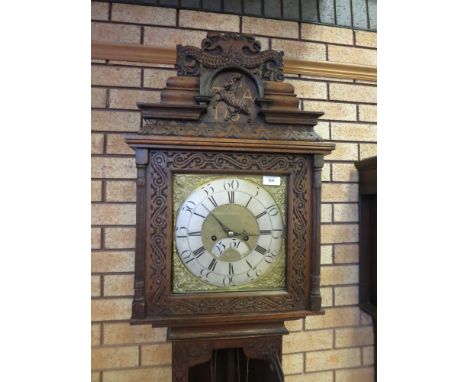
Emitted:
<point x="245" y="235"/>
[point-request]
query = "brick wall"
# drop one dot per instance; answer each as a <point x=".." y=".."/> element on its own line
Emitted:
<point x="336" y="347"/>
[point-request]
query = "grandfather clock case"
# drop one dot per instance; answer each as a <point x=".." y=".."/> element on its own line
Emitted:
<point x="228" y="211"/>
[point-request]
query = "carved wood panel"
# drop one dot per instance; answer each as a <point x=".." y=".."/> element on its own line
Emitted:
<point x="162" y="164"/>
<point x="190" y="353"/>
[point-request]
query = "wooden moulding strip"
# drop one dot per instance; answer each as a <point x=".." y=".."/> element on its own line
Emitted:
<point x="167" y="56"/>
<point x="250" y="145"/>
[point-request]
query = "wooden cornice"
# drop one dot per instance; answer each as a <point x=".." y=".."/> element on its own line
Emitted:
<point x="157" y="55"/>
<point x="229" y="144"/>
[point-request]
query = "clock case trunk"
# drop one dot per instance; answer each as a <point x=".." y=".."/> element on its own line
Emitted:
<point x="227" y="111"/>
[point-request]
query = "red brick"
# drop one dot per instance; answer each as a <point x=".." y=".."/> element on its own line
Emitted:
<point x="98" y="97"/>
<point x="124" y="333"/>
<point x="103" y="167"/>
<point x="126" y="121"/>
<point x="340" y="274"/>
<point x="156" y="355"/>
<point x="116" y="145"/>
<point x="111" y="309"/>
<point x="128" y="98"/>
<point x="333" y="317"/>
<point x="116" y="33"/>
<point x="160" y="374"/>
<point x="119" y="237"/>
<point x="139" y="14"/>
<point x="115" y="357"/>
<point x="97" y="143"/>
<point x="120" y="191"/>
<point x="208" y="20"/>
<point x="269" y="27"/>
<point x="156" y="78"/>
<point x="110" y="214"/>
<point x="99" y="11"/>
<point x="118" y="285"/>
<point x="346" y="253"/>
<point x="112" y="261"/>
<point x="95" y="238"/>
<point x="333" y="359"/>
<point x="115" y="76"/>
<point x="96" y="191"/>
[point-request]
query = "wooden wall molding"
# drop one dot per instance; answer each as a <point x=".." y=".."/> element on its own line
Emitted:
<point x="167" y="56"/>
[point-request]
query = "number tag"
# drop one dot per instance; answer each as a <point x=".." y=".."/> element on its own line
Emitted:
<point x="271" y="181"/>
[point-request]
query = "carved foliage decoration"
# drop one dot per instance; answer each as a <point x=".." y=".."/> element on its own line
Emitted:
<point x="229" y="130"/>
<point x="230" y="49"/>
<point x="162" y="164"/>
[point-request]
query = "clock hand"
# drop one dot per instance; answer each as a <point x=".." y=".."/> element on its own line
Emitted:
<point x="225" y="228"/>
<point x="245" y="235"/>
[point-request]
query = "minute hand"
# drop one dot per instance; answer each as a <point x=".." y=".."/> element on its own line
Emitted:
<point x="225" y="228"/>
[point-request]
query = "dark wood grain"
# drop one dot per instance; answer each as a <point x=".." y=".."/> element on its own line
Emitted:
<point x="228" y="112"/>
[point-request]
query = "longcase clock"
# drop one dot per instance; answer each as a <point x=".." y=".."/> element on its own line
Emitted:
<point x="228" y="211"/>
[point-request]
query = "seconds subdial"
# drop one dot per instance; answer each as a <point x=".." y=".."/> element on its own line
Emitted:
<point x="230" y="249"/>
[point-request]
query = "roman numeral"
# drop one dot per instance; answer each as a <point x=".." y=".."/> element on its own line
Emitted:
<point x="198" y="233"/>
<point x="231" y="269"/>
<point x="198" y="252"/>
<point x="261" y="214"/>
<point x="270" y="257"/>
<point x="213" y="201"/>
<point x="231" y="196"/>
<point x="264" y="232"/>
<point x="227" y="280"/>
<point x="248" y="201"/>
<point x="199" y="215"/>
<point x="212" y="265"/>
<point x="250" y="265"/>
<point x="260" y="249"/>
<point x="272" y="210"/>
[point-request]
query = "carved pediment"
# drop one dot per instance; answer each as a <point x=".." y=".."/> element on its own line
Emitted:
<point x="229" y="87"/>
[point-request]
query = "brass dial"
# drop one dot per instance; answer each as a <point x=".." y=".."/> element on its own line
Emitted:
<point x="229" y="232"/>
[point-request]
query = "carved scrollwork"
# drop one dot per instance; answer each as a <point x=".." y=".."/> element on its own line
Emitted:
<point x="230" y="49"/>
<point x="162" y="163"/>
<point x="158" y="222"/>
